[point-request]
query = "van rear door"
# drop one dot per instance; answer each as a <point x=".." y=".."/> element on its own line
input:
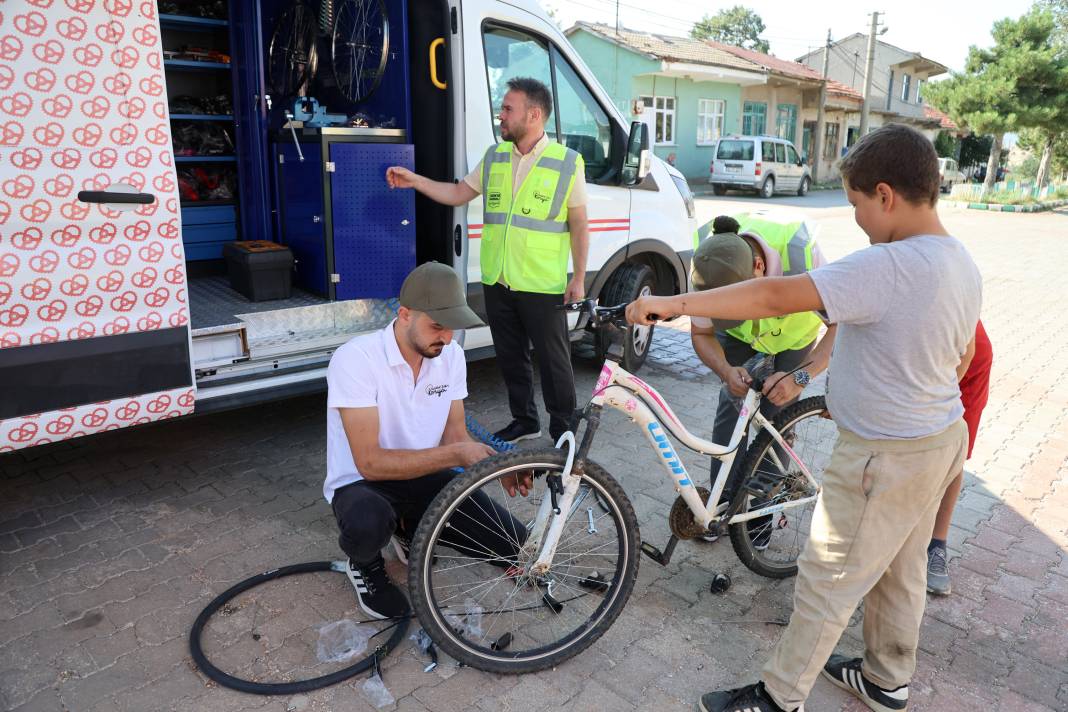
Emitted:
<point x="94" y="322"/>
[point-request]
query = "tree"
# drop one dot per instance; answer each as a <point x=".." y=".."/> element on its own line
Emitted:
<point x="974" y="149"/>
<point x="738" y="26"/>
<point x="946" y="145"/>
<point x="1022" y="81"/>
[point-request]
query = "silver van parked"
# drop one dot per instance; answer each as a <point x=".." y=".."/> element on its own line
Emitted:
<point x="765" y="164"/>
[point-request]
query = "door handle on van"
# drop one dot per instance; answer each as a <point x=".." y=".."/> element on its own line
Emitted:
<point x="434" y="63"/>
<point x="457" y="241"/>
<point x="108" y="196"/>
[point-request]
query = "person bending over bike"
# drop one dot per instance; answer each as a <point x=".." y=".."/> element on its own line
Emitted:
<point x="395" y="429"/>
<point x="757" y="246"/>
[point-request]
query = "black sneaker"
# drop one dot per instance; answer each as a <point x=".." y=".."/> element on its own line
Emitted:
<point x="516" y="431"/>
<point x="845" y="672"/>
<point x="378" y="596"/>
<point x="745" y="699"/>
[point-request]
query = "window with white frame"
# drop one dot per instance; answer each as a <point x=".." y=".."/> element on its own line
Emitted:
<point x="919" y="91"/>
<point x="709" y="120"/>
<point x="664" y="114"/>
<point x="905" y="80"/>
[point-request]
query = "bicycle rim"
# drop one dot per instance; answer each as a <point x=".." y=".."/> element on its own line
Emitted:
<point x="500" y="616"/>
<point x="770" y="545"/>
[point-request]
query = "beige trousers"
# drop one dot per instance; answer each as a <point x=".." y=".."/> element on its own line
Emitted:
<point x="868" y="540"/>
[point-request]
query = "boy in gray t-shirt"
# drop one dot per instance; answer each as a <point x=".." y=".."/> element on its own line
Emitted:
<point x="906" y="310"/>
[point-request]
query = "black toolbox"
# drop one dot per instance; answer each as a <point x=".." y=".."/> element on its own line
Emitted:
<point x="259" y="269"/>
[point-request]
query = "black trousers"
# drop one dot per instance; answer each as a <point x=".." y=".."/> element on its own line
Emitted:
<point x="518" y="320"/>
<point x="738" y="353"/>
<point x="369" y="513"/>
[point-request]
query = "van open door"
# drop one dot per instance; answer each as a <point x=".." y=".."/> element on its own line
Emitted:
<point x="94" y="321"/>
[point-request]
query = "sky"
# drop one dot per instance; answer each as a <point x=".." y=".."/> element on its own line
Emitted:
<point x="941" y="31"/>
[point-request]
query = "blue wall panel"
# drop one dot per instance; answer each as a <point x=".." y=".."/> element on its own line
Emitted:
<point x="302" y="203"/>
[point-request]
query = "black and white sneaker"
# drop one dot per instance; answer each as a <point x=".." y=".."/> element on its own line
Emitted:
<point x="516" y="431"/>
<point x="845" y="672"/>
<point x="378" y="596"/>
<point x="745" y="699"/>
<point x="400" y="548"/>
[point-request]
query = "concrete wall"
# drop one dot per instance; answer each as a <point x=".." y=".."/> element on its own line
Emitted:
<point x="774" y="97"/>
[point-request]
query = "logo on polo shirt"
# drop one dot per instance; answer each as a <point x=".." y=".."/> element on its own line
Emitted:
<point x="436" y="390"/>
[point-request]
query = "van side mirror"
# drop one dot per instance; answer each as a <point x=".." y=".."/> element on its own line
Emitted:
<point x="637" y="160"/>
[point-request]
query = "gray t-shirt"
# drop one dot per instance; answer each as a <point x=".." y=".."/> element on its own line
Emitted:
<point x="906" y="312"/>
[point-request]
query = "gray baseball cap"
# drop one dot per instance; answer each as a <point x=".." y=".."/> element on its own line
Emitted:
<point x="436" y="289"/>
<point x="720" y="260"/>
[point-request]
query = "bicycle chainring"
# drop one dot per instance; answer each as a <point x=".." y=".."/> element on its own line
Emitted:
<point x="681" y="518"/>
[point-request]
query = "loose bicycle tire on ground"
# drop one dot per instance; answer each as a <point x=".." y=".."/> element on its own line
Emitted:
<point x="280" y="688"/>
<point x="740" y="536"/>
<point x="606" y="493"/>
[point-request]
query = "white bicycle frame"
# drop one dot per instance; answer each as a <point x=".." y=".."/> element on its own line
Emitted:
<point x="625" y="392"/>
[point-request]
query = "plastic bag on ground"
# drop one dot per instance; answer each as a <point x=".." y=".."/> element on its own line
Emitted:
<point x="341" y="641"/>
<point x="377" y="693"/>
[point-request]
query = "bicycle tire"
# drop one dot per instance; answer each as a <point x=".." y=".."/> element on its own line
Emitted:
<point x="292" y="54"/>
<point x="279" y="688"/>
<point x="741" y="534"/>
<point x="448" y="501"/>
<point x="348" y="79"/>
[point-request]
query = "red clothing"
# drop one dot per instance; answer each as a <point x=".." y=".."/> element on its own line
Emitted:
<point x="975" y="386"/>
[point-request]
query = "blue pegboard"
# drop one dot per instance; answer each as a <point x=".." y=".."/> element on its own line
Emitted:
<point x="374" y="250"/>
<point x="302" y="203"/>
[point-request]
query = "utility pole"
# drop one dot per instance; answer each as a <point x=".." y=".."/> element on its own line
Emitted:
<point x="868" y="68"/>
<point x="817" y="140"/>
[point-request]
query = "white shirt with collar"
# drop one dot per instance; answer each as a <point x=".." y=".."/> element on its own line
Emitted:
<point x="370" y="371"/>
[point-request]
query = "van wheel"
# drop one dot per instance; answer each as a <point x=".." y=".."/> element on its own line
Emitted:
<point x="718" y="189"/>
<point x="768" y="189"/>
<point x="802" y="189"/>
<point x="627" y="284"/>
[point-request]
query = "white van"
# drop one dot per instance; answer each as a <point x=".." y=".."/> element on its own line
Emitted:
<point x="765" y="164"/>
<point x="105" y="317"/>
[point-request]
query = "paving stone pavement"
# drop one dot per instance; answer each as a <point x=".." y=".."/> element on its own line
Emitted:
<point x="111" y="545"/>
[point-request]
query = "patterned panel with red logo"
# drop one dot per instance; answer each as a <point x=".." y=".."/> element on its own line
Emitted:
<point x="83" y="105"/>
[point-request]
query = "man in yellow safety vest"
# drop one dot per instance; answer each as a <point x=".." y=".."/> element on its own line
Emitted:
<point x="534" y="218"/>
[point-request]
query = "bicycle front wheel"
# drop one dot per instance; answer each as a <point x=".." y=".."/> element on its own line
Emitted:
<point x="470" y="574"/>
<point x="771" y="544"/>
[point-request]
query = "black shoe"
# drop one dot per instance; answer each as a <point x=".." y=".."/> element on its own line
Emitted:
<point x="516" y="431"/>
<point x="845" y="672"/>
<point x="378" y="596"/>
<point x="745" y="699"/>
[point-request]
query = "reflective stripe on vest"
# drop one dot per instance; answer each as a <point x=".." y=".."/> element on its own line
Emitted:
<point x="525" y="239"/>
<point x="794" y="245"/>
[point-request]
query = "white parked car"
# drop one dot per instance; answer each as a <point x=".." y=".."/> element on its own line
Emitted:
<point x="765" y="164"/>
<point x="949" y="174"/>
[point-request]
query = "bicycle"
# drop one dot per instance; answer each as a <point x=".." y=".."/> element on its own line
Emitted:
<point x="573" y="569"/>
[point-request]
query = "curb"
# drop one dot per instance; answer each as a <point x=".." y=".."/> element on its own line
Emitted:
<point x="998" y="208"/>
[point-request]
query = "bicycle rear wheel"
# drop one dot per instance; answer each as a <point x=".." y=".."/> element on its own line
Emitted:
<point x="484" y="606"/>
<point x="770" y="545"/>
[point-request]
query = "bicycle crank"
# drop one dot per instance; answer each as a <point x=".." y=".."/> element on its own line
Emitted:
<point x="681" y="520"/>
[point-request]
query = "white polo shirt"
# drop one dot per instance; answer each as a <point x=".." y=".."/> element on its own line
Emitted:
<point x="369" y="371"/>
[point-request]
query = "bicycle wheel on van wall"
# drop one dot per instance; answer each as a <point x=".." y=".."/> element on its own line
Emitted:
<point x="770" y="545"/>
<point x="479" y="600"/>
<point x="359" y="45"/>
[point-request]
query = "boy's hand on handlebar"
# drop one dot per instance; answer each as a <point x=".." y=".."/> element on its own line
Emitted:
<point x="646" y="311"/>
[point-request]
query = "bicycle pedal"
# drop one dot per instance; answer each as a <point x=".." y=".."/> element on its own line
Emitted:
<point x="594" y="582"/>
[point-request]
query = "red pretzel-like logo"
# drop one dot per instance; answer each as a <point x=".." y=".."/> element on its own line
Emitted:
<point x="11" y="133"/>
<point x="180" y="295"/>
<point x="7" y="77"/>
<point x="145" y="278"/>
<point x="53" y="311"/>
<point x="6" y="290"/>
<point x="150" y="322"/>
<point x="128" y="411"/>
<point x="174" y="275"/>
<point x="74" y="211"/>
<point x="119" y="326"/>
<point x="37" y="211"/>
<point x="158" y="405"/>
<point x="148" y="209"/>
<point x="9" y="340"/>
<point x="85" y="330"/>
<point x="27" y="159"/>
<point x="152" y="85"/>
<point x="103" y="234"/>
<point x="104" y="158"/>
<point x="41" y="80"/>
<point x="89" y="55"/>
<point x="73" y="29"/>
<point x="67" y="159"/>
<point x="179" y="318"/>
<point x="58" y="106"/>
<point x="32" y="23"/>
<point x="132" y="108"/>
<point x="50" y="52"/>
<point x="18" y="104"/>
<point x="148" y="10"/>
<point x="157" y="135"/>
<point x="66" y="236"/>
<point x="27" y="239"/>
<point x="75" y="286"/>
<point x="119" y="8"/>
<point x="152" y="252"/>
<point x="186" y="399"/>
<point x="60" y="186"/>
<point x="124" y="302"/>
<point x="82" y="6"/>
<point x="140" y="157"/>
<point x="124" y="135"/>
<point x="90" y="306"/>
<point x="19" y="187"/>
<point x="117" y="256"/>
<point x="125" y="57"/>
<point x="110" y="32"/>
<point x="49" y="135"/>
<point x="37" y="290"/>
<point x="80" y="82"/>
<point x="15" y="316"/>
<point x="47" y="335"/>
<point x="168" y="229"/>
<point x="82" y="259"/>
<point x="138" y="231"/>
<point x="97" y="107"/>
<point x="95" y="418"/>
<point x="23" y="432"/>
<point x="9" y="264"/>
<point x="118" y="84"/>
<point x="145" y="35"/>
<point x="163" y="183"/>
<point x="110" y="282"/>
<point x="61" y="425"/>
<point x="10" y="48"/>
<point x="88" y="135"/>
<point x="153" y="59"/>
<point x="45" y="262"/>
<point x="157" y="297"/>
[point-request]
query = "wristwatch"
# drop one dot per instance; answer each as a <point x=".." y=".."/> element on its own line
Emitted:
<point x="802" y="378"/>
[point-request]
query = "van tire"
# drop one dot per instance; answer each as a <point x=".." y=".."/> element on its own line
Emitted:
<point x="767" y="189"/>
<point x="802" y="189"/>
<point x="628" y="282"/>
<point x="718" y="189"/>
